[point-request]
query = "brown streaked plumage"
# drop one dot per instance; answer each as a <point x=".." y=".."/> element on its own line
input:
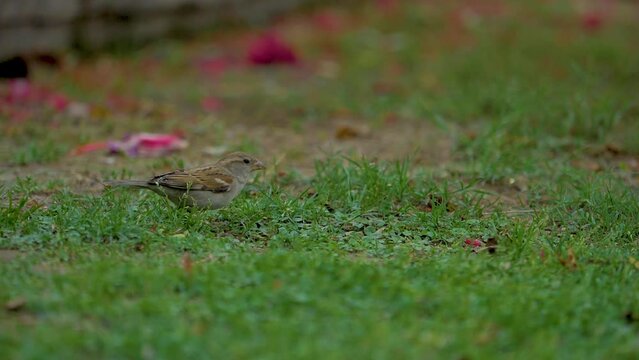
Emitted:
<point x="206" y="187"/>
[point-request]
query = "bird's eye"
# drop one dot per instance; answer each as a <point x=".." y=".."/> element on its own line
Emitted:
<point x="246" y="161"/>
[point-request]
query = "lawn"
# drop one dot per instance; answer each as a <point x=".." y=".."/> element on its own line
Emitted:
<point x="451" y="180"/>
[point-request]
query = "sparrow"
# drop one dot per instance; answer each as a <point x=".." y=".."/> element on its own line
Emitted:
<point x="207" y="187"/>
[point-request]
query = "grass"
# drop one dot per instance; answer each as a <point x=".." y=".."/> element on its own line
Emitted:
<point x="360" y="256"/>
<point x="38" y="153"/>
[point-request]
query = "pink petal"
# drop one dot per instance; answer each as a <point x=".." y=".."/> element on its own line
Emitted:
<point x="58" y="102"/>
<point x="271" y="49"/>
<point x="148" y="144"/>
<point x="473" y="242"/>
<point x="19" y="91"/>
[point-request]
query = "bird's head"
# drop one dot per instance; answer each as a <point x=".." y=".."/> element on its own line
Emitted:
<point x="241" y="164"/>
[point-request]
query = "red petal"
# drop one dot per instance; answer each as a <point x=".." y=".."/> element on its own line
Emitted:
<point x="270" y="49"/>
<point x="90" y="147"/>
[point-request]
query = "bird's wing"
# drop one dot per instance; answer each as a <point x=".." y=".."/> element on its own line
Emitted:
<point x="208" y="178"/>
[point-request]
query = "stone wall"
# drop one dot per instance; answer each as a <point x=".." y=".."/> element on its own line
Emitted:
<point x="44" y="26"/>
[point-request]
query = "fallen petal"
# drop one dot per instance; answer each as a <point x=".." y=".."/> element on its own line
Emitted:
<point x="19" y="90"/>
<point x="270" y="49"/>
<point x="58" y="102"/>
<point x="90" y="147"/>
<point x="148" y="144"/>
<point x="473" y="242"/>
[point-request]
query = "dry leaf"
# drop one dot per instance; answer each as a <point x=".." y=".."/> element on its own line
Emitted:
<point x="187" y="263"/>
<point x="345" y="132"/>
<point x="383" y="88"/>
<point x="614" y="149"/>
<point x="277" y="284"/>
<point x="15" y="304"/>
<point x="587" y="164"/>
<point x="570" y="261"/>
<point x="391" y="119"/>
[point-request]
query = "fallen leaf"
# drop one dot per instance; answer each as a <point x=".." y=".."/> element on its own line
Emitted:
<point x="587" y="164"/>
<point x="277" y="284"/>
<point x="614" y="149"/>
<point x="634" y="262"/>
<point x="520" y="183"/>
<point x="99" y="112"/>
<point x="570" y="261"/>
<point x="345" y="132"/>
<point x="15" y="304"/>
<point x="187" y="263"/>
<point x="348" y="131"/>
<point x="119" y="103"/>
<point x="391" y="119"/>
<point x="383" y="88"/>
<point x="487" y="334"/>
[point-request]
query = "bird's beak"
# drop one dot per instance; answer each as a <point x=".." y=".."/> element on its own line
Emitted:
<point x="258" y="165"/>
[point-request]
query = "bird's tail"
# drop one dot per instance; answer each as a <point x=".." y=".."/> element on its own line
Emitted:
<point x="126" y="183"/>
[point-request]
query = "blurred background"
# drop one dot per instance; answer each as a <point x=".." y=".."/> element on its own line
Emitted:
<point x="93" y="89"/>
<point x="494" y="212"/>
